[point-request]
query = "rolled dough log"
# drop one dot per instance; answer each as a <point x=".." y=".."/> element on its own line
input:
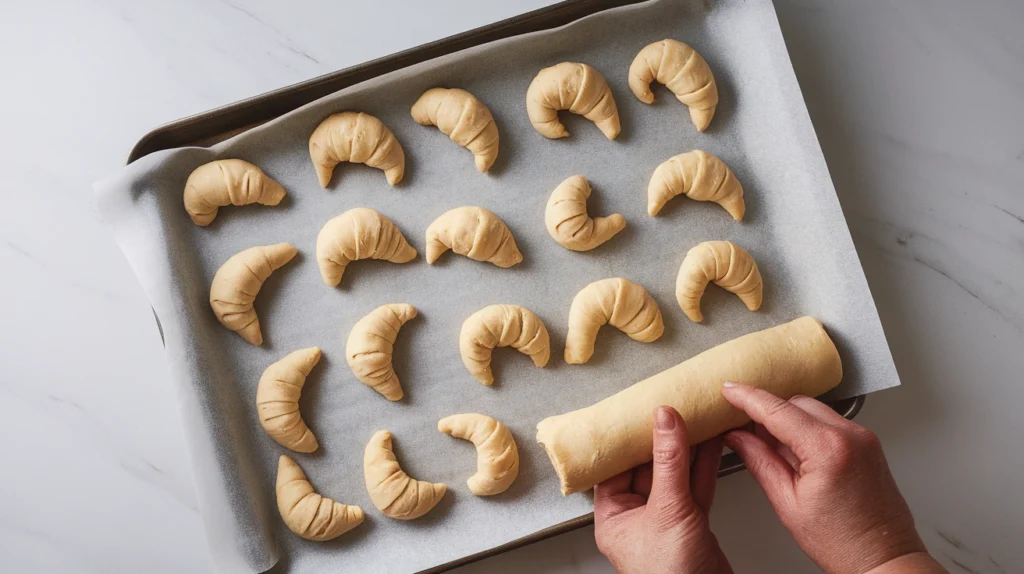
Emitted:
<point x="595" y="443"/>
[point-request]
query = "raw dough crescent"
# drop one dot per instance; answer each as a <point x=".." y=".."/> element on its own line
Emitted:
<point x="393" y="491"/>
<point x="370" y="345"/>
<point x="619" y="302"/>
<point x="463" y="118"/>
<point x="307" y="513"/>
<point x="725" y="263"/>
<point x="574" y="87"/>
<point x="238" y="281"/>
<point x="359" y="233"/>
<point x="474" y="232"/>
<point x="277" y="400"/>
<point x="700" y="176"/>
<point x="683" y="71"/>
<point x="497" y="462"/>
<point x="568" y="222"/>
<point x="358" y="138"/>
<point x="227" y="182"/>
<point x="502" y="326"/>
<point x="595" y="443"/>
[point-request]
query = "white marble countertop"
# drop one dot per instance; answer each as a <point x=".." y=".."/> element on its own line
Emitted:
<point x="918" y="106"/>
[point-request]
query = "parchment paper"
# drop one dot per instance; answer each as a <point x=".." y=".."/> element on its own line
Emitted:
<point x="794" y="228"/>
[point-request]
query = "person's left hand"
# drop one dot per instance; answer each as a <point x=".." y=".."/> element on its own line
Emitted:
<point x="654" y="519"/>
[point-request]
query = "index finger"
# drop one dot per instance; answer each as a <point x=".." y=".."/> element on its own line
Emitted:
<point x="791" y="425"/>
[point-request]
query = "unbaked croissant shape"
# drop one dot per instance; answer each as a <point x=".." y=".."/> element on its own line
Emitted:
<point x="359" y="233"/>
<point x="698" y="175"/>
<point x="277" y="400"/>
<point x="307" y="513"/>
<point x="683" y="71"/>
<point x="238" y="281"/>
<point x="568" y="222"/>
<point x="358" y="138"/>
<point x="227" y="182"/>
<point x="619" y="302"/>
<point x="575" y="87"/>
<point x="371" y="342"/>
<point x="502" y="326"/>
<point x="474" y="232"/>
<point x="393" y="491"/>
<point x="463" y="118"/>
<point x="497" y="460"/>
<point x="725" y="263"/>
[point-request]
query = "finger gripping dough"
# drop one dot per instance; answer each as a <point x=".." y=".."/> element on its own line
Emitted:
<point x="393" y="491"/>
<point x="683" y="71"/>
<point x="371" y="344"/>
<point x="575" y="87"/>
<point x="502" y="326"/>
<point x="698" y="175"/>
<point x="616" y="301"/>
<point x="474" y="232"/>
<point x="593" y="444"/>
<point x="725" y="263"/>
<point x="227" y="182"/>
<point x="307" y="513"/>
<point x="359" y="233"/>
<point x="358" y="138"/>
<point x="497" y="463"/>
<point x="463" y="118"/>
<point x="238" y="281"/>
<point x="568" y="222"/>
<point x="277" y="400"/>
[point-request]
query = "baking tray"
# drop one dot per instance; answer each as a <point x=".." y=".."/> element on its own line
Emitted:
<point x="210" y="127"/>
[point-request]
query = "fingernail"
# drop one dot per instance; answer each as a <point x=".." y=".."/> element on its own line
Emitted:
<point x="729" y="384"/>
<point x="663" y="419"/>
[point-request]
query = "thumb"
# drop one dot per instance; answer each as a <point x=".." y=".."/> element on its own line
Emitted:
<point x="670" y="501"/>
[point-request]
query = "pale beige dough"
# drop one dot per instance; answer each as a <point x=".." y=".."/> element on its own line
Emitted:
<point x="595" y="443"/>
<point x="683" y="71"/>
<point x="700" y="176"/>
<point x="359" y="233"/>
<point x="238" y="281"/>
<point x="277" y="400"/>
<point x="307" y="513"/>
<point x="371" y="342"/>
<point x="575" y="87"/>
<point x="393" y="491"/>
<point x="725" y="263"/>
<point x="227" y="182"/>
<point x="497" y="463"/>
<point x="474" y="232"/>
<point x="502" y="326"/>
<point x="619" y="302"/>
<point x="358" y="138"/>
<point x="463" y="118"/>
<point x="569" y="223"/>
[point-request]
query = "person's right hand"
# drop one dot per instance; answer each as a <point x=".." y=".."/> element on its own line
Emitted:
<point x="828" y="481"/>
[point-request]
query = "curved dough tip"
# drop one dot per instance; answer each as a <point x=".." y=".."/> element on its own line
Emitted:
<point x="238" y="281"/>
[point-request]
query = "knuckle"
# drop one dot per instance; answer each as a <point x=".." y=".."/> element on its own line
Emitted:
<point x="868" y="439"/>
<point x="774" y="406"/>
<point x="668" y="455"/>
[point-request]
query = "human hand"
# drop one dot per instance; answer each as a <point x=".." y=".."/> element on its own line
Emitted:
<point x="654" y="519"/>
<point x="828" y="481"/>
